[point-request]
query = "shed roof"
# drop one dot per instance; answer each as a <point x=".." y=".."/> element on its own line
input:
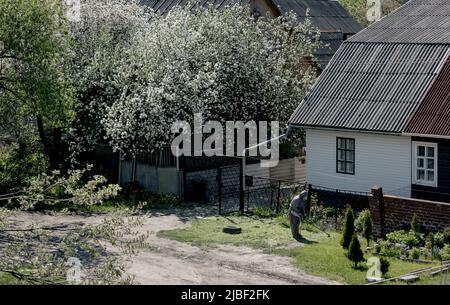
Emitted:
<point x="327" y="15"/>
<point x="433" y="115"/>
<point x="332" y="41"/>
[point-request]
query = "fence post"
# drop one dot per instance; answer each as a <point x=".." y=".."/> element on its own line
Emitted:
<point x="308" y="201"/>
<point x="219" y="182"/>
<point x="278" y="197"/>
<point x="241" y="189"/>
<point x="376" y="206"/>
<point x="184" y="167"/>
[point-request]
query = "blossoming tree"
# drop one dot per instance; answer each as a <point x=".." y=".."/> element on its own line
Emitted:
<point x="224" y="64"/>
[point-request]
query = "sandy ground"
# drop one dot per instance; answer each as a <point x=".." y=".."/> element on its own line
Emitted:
<point x="171" y="262"/>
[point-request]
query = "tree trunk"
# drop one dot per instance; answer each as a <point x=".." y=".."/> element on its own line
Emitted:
<point x="56" y="149"/>
<point x="52" y="151"/>
<point x="42" y="136"/>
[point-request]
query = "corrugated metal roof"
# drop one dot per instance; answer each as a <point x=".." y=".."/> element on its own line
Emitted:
<point x="327" y="15"/>
<point x="433" y="115"/>
<point x="418" y="21"/>
<point x="164" y="6"/>
<point x="332" y="41"/>
<point x="371" y="86"/>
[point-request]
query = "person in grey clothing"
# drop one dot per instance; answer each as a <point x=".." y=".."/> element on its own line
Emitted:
<point x="296" y="212"/>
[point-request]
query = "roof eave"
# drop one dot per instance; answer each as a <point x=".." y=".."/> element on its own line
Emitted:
<point x="420" y="135"/>
<point x="329" y="128"/>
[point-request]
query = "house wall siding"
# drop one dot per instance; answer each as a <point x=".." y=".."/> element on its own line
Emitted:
<point x="383" y="160"/>
<point x="442" y="191"/>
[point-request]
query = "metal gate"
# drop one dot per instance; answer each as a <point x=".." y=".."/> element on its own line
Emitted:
<point x="219" y="181"/>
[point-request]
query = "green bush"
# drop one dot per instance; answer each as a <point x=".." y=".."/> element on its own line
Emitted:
<point x="447" y="235"/>
<point x="444" y="253"/>
<point x="355" y="253"/>
<point x="384" y="267"/>
<point x="364" y="225"/>
<point x="348" y="228"/>
<point x="389" y="249"/>
<point x="264" y="212"/>
<point x="410" y="238"/>
<point x="414" y="253"/>
<point x="439" y="239"/>
<point x="18" y="165"/>
<point x="415" y="228"/>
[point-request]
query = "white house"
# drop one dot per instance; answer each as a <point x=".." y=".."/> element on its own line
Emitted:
<point x="380" y="112"/>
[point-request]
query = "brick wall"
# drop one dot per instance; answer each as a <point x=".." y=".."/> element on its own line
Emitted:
<point x="394" y="213"/>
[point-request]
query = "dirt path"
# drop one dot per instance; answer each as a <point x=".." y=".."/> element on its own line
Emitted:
<point x="172" y="262"/>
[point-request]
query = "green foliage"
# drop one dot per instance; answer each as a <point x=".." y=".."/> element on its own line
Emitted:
<point x="293" y="145"/>
<point x="16" y="166"/>
<point x="77" y="188"/>
<point x="444" y="253"/>
<point x="348" y="228"/>
<point x="364" y="225"/>
<point x="409" y="238"/>
<point x="414" y="253"/>
<point x="384" y="265"/>
<point x="389" y="249"/>
<point x="358" y="8"/>
<point x="415" y="228"/>
<point x="33" y="83"/>
<point x="263" y="212"/>
<point x="447" y="235"/>
<point x="355" y="253"/>
<point x="439" y="239"/>
<point x="323" y="217"/>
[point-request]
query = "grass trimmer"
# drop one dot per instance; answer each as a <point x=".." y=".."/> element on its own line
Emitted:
<point x="314" y="226"/>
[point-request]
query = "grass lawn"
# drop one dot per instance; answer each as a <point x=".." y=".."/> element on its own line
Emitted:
<point x="322" y="255"/>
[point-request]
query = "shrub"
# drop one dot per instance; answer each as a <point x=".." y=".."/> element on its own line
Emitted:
<point x="414" y="253"/>
<point x="415" y="224"/>
<point x="430" y="242"/>
<point x="389" y="249"/>
<point x="439" y="240"/>
<point x="364" y="225"/>
<point x="348" y="228"/>
<point x="323" y="217"/>
<point x="444" y="253"/>
<point x="17" y="166"/>
<point x="384" y="265"/>
<point x="447" y="235"/>
<point x="409" y="239"/>
<point x="263" y="212"/>
<point x="355" y="253"/>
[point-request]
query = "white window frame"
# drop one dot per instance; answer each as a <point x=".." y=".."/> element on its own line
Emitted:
<point x="414" y="163"/>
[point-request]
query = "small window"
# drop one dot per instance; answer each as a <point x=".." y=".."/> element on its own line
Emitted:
<point x="425" y="163"/>
<point x="345" y="156"/>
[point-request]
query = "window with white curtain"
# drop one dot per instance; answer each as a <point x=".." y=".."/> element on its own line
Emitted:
<point x="425" y="163"/>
